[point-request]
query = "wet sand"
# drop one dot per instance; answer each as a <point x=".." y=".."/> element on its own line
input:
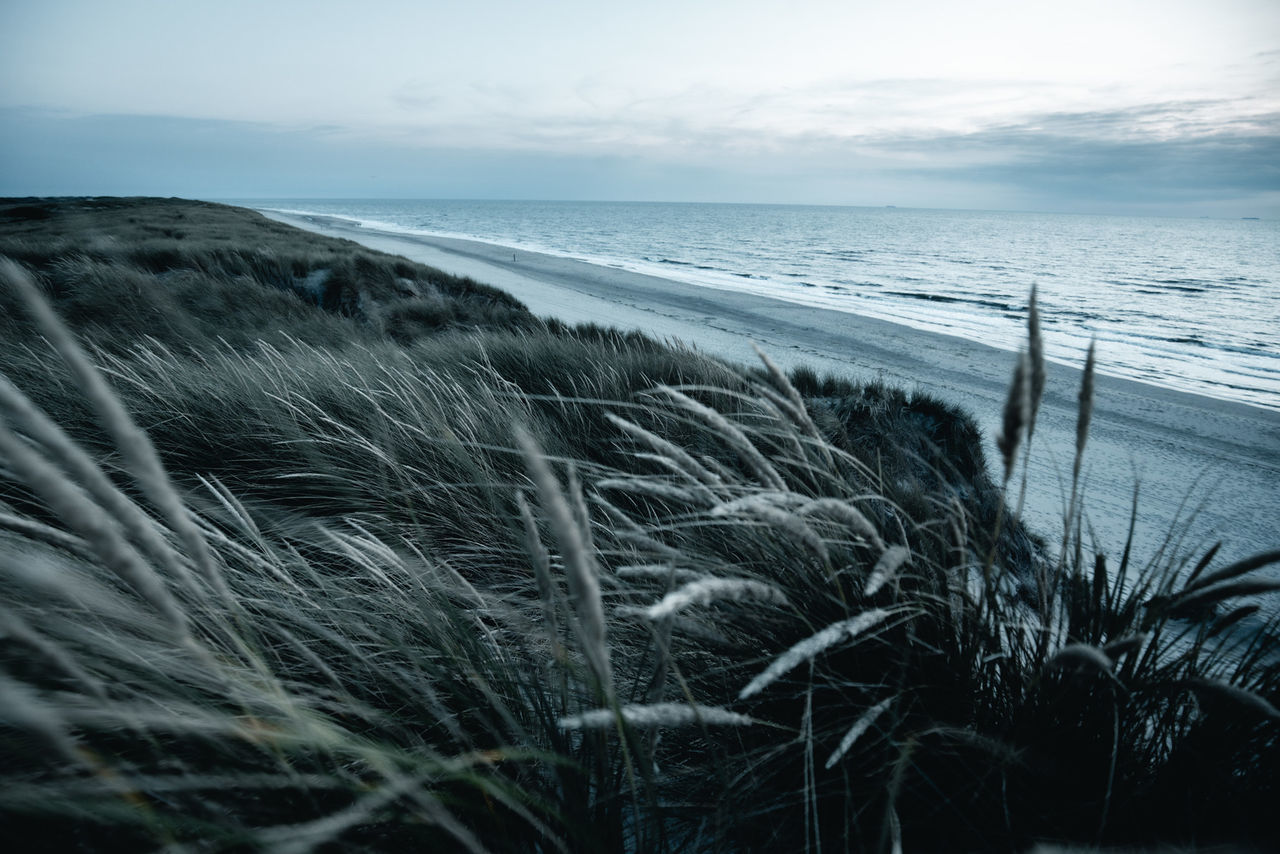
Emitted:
<point x="1190" y="455"/>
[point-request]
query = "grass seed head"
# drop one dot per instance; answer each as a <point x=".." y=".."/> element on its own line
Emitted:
<point x="580" y="566"/>
<point x="1085" y="413"/>
<point x="1035" y="352"/>
<point x="814" y="645"/>
<point x="886" y="568"/>
<point x="1017" y="413"/>
<point x="708" y="590"/>
<point x="860" y="726"/>
<point x="656" y="715"/>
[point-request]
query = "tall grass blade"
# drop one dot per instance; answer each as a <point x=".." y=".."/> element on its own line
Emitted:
<point x="580" y="566"/>
<point x="93" y="525"/>
<point x="133" y="444"/>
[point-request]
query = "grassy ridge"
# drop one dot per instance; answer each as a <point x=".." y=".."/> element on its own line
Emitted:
<point x="522" y="587"/>
<point x="192" y="273"/>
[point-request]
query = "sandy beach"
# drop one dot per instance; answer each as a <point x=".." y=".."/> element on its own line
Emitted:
<point x="1206" y="469"/>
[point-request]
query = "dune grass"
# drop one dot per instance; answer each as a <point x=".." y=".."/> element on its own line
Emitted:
<point x="190" y="274"/>
<point x="533" y="588"/>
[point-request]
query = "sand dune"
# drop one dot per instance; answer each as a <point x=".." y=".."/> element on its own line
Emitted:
<point x="1191" y="455"/>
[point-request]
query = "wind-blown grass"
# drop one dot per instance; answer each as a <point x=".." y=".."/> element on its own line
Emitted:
<point x="719" y="626"/>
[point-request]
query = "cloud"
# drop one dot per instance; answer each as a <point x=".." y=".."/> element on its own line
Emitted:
<point x="1171" y="158"/>
<point x="417" y="95"/>
<point x="1160" y="153"/>
<point x="55" y="153"/>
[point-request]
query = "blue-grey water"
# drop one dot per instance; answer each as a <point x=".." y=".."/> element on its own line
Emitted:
<point x="1192" y="304"/>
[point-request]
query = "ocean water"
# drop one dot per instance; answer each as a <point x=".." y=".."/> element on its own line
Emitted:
<point x="1192" y="304"/>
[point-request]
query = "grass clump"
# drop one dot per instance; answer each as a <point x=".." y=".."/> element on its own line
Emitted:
<point x="534" y="588"/>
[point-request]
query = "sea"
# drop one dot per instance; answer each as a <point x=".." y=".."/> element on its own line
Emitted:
<point x="1191" y="304"/>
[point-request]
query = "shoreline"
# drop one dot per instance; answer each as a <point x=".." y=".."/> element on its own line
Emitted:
<point x="1215" y="349"/>
<point x="1177" y="442"/>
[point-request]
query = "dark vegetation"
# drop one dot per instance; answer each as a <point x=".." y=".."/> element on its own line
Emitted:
<point x="191" y="274"/>
<point x="435" y="573"/>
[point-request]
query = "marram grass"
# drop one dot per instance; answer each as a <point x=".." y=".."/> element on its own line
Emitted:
<point x="724" y="634"/>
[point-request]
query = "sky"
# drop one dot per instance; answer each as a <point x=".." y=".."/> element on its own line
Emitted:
<point x="1165" y="107"/>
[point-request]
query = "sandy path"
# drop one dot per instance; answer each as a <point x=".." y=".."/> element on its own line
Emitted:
<point x="1187" y="451"/>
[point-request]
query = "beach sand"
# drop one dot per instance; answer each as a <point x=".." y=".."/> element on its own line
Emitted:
<point x="1191" y="456"/>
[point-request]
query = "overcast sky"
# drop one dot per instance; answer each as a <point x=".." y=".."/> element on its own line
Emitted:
<point x="1161" y="106"/>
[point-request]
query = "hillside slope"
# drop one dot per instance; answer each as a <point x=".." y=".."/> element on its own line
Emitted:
<point x="405" y="567"/>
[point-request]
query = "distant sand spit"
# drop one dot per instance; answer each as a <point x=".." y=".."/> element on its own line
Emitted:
<point x="1189" y="454"/>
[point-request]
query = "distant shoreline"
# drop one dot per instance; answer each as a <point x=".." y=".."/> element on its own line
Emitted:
<point x="1174" y="320"/>
<point x="1169" y="437"/>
